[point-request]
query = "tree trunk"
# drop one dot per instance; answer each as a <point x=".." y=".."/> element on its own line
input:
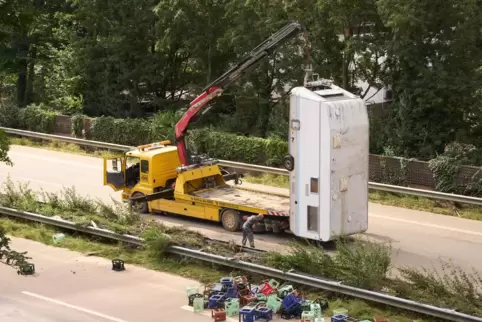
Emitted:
<point x="347" y="56"/>
<point x="31" y="75"/>
<point x="264" y="112"/>
<point x="23" y="50"/>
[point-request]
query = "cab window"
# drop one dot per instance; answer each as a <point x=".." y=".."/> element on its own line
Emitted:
<point x="145" y="166"/>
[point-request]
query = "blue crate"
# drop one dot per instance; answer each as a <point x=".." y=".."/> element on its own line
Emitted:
<point x="215" y="301"/>
<point x="339" y="318"/>
<point x="290" y="300"/>
<point x="264" y="314"/>
<point x="247" y="314"/>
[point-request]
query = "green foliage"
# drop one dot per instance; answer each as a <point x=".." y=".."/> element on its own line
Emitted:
<point x="362" y="264"/>
<point x="9" y="256"/>
<point x="157" y="242"/>
<point x="37" y="118"/>
<point x="391" y="172"/>
<point x="118" y="217"/>
<point x="4" y="148"/>
<point x="367" y="265"/>
<point x="69" y="205"/>
<point x="434" y="82"/>
<point x="202" y="141"/>
<point x="162" y="126"/>
<point x="89" y="59"/>
<point x="304" y="258"/>
<point x="446" y="168"/>
<point x="120" y="131"/>
<point x="78" y="125"/>
<point x="239" y="148"/>
<point x="8" y="114"/>
<point x="67" y="104"/>
<point x="452" y="287"/>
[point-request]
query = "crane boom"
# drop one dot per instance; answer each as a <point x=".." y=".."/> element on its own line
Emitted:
<point x="216" y="88"/>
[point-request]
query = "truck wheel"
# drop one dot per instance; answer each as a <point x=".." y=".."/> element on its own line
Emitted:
<point x="142" y="207"/>
<point x="289" y="163"/>
<point x="230" y="220"/>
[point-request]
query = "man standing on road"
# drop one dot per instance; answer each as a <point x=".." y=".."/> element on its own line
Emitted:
<point x="248" y="229"/>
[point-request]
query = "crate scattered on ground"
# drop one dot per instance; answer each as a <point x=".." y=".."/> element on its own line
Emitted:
<point x="236" y="297"/>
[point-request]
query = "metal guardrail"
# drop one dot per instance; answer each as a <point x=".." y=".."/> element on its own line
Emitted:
<point x="338" y="287"/>
<point x="67" y="139"/>
<point x="255" y="168"/>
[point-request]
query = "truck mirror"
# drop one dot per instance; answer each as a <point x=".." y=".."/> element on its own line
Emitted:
<point x="114" y="165"/>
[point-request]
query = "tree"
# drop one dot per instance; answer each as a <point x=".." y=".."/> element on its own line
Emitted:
<point x="363" y="41"/>
<point x="434" y="56"/>
<point x="5" y="250"/>
<point x="25" y="36"/>
<point x="251" y="23"/>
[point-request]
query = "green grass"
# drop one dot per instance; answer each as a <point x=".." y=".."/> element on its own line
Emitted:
<point x="390" y="199"/>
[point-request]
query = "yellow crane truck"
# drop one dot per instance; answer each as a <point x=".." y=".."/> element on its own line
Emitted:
<point x="162" y="178"/>
<point x="198" y="191"/>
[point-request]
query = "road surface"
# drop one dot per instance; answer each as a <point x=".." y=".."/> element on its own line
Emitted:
<point x="418" y="238"/>
<point x="71" y="287"/>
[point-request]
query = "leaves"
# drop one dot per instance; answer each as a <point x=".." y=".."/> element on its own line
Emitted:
<point x="132" y="59"/>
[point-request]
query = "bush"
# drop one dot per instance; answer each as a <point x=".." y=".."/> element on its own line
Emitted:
<point x="239" y="148"/>
<point x="120" y="131"/>
<point x="303" y="258"/>
<point x="78" y="125"/>
<point x="162" y="126"/>
<point x="215" y="144"/>
<point x="451" y="287"/>
<point x="8" y="115"/>
<point x="37" y="118"/>
<point x="359" y="264"/>
<point x="135" y="132"/>
<point x="362" y="264"/>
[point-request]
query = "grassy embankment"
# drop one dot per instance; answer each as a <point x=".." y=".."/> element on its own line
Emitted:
<point x="361" y="264"/>
<point x="390" y="199"/>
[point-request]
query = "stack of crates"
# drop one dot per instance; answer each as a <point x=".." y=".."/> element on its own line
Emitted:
<point x="234" y="296"/>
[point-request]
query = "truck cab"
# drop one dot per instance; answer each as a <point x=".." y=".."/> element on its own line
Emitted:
<point x="142" y="171"/>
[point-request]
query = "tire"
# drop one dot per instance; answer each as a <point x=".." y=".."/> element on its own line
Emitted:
<point x="289" y="163"/>
<point x="142" y="207"/>
<point x="230" y="220"/>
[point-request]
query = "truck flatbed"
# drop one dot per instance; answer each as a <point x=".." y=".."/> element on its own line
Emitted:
<point x="274" y="205"/>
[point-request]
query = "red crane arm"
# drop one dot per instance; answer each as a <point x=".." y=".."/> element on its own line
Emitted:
<point x="217" y="87"/>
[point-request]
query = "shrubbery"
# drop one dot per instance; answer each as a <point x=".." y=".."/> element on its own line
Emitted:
<point x="32" y="118"/>
<point x="215" y="144"/>
<point x="134" y="132"/>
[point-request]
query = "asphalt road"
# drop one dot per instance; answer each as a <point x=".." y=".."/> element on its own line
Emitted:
<point x="71" y="287"/>
<point x="418" y="238"/>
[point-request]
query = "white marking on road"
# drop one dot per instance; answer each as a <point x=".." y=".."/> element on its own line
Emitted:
<point x="30" y="180"/>
<point x="56" y="160"/>
<point x="418" y="223"/>
<point x="205" y="313"/>
<point x="70" y="306"/>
